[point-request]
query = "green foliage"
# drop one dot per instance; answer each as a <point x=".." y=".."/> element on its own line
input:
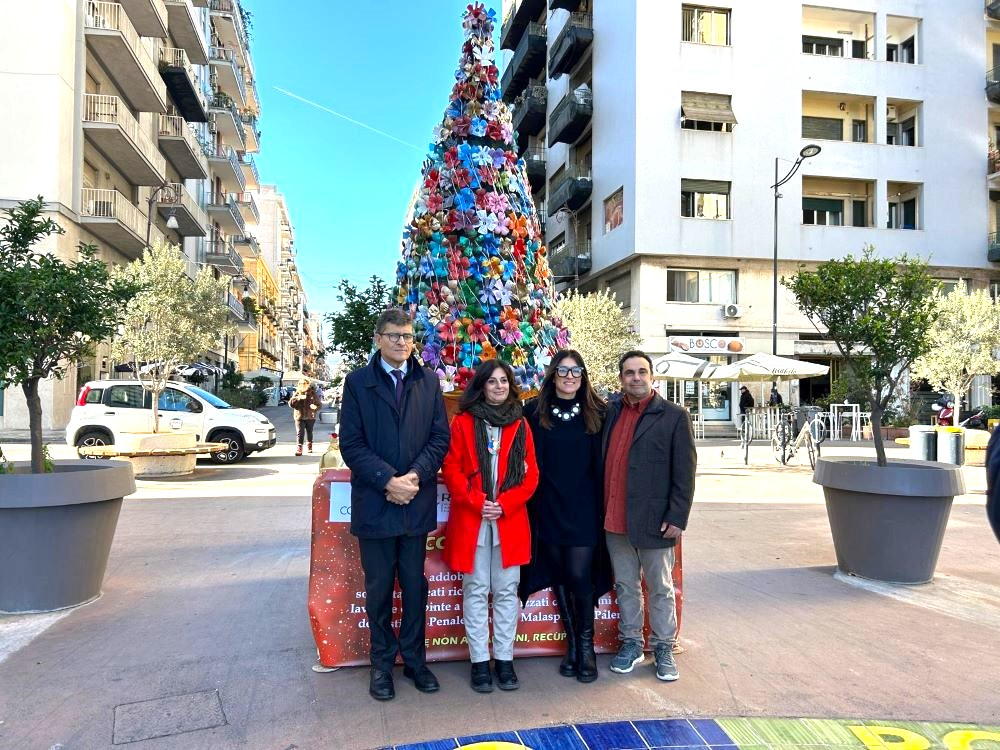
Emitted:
<point x="243" y="398"/>
<point x="47" y="466"/>
<point x="231" y="379"/>
<point x="261" y="382"/>
<point x="6" y="467"/>
<point x="51" y="310"/>
<point x="172" y="320"/>
<point x="250" y="305"/>
<point x="878" y="312"/>
<point x="600" y="330"/>
<point x="352" y="328"/>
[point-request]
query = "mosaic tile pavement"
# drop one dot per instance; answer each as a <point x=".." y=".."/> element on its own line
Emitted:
<point x="732" y="734"/>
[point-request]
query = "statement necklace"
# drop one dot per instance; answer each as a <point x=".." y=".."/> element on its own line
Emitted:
<point x="565" y="416"/>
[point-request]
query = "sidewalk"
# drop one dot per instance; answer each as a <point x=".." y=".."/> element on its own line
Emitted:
<point x="201" y="639"/>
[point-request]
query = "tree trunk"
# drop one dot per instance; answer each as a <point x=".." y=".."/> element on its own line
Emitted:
<point x="155" y="396"/>
<point x="877" y="435"/>
<point x="30" y="389"/>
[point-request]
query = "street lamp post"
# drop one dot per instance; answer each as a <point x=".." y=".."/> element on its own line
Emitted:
<point x="808" y="151"/>
<point x="153" y="195"/>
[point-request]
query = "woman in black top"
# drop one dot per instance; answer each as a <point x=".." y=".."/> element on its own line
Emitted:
<point x="567" y="510"/>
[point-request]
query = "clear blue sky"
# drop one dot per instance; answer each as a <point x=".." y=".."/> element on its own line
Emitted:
<point x="390" y="65"/>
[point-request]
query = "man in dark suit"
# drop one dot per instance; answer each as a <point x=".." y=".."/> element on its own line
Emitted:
<point x="393" y="437"/>
<point x="649" y="468"/>
<point x="993" y="481"/>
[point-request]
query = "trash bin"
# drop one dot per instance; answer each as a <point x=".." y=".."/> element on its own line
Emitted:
<point x="951" y="445"/>
<point x="923" y="442"/>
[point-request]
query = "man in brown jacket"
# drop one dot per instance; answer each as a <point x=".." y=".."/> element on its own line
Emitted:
<point x="649" y="469"/>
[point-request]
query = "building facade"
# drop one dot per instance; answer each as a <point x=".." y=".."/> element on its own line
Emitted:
<point x="138" y="122"/>
<point x="651" y="130"/>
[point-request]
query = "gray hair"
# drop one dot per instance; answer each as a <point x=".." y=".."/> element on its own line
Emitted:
<point x="394" y="316"/>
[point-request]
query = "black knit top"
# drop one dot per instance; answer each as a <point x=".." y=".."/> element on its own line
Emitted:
<point x="567" y="506"/>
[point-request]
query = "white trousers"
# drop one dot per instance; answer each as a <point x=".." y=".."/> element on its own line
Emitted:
<point x="489" y="576"/>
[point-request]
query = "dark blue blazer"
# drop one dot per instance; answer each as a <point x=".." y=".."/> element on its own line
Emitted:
<point x="993" y="481"/>
<point x="379" y="440"/>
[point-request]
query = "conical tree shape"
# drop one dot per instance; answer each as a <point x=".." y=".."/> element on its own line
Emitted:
<point x="474" y="274"/>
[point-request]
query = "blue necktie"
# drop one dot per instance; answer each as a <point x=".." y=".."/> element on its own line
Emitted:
<point x="398" y="377"/>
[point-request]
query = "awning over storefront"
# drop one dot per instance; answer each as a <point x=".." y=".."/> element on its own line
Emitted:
<point x="696" y="105"/>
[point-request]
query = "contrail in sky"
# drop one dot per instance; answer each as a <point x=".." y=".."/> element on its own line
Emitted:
<point x="349" y="119"/>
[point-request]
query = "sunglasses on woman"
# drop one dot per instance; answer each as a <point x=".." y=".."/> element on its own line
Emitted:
<point x="564" y="372"/>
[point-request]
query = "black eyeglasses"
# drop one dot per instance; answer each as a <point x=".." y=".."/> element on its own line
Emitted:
<point x="564" y="372"/>
<point x="396" y="337"/>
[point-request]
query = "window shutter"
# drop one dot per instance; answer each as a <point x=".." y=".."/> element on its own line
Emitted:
<point x="823" y="204"/>
<point x="823" y="128"/>
<point x="717" y="187"/>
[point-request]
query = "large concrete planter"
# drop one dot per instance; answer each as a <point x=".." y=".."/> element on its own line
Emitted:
<point x="888" y="522"/>
<point x="162" y="464"/>
<point x="56" y="532"/>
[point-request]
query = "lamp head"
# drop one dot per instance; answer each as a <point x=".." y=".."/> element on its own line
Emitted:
<point x="172" y="221"/>
<point x="811" y="150"/>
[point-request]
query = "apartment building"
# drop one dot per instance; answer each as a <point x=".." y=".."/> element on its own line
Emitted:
<point x="651" y="129"/>
<point x="137" y="121"/>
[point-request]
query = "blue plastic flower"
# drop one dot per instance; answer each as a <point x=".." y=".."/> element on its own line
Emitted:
<point x="456" y="108"/>
<point x="478" y="126"/>
<point x="465" y="200"/>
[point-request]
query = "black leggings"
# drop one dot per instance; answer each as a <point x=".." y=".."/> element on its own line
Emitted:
<point x="306" y="428"/>
<point x="570" y="567"/>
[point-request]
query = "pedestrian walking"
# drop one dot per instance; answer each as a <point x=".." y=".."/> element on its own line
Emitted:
<point x="649" y="471"/>
<point x="746" y="400"/>
<point x="490" y="472"/>
<point x="567" y="511"/>
<point x="393" y="437"/>
<point x="305" y="403"/>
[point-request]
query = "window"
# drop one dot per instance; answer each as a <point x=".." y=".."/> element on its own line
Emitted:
<point x="905" y="52"/>
<point x="93" y="396"/>
<point x="903" y="214"/>
<point x="859" y="131"/>
<point x="908" y="132"/>
<point x="705" y="199"/>
<point x="704" y="25"/>
<point x="859" y="50"/>
<point x="717" y="287"/>
<point x="994" y="292"/>
<point x="823" y="211"/>
<point x="614" y="210"/>
<point x="621" y="287"/>
<point x="125" y="396"/>
<point x="950" y="285"/>
<point x="859" y="213"/>
<point x="701" y="111"/>
<point x="823" y="128"/>
<point x="822" y="45"/>
<point x="173" y="400"/>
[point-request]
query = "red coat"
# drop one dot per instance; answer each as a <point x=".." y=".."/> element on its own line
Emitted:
<point x="465" y="486"/>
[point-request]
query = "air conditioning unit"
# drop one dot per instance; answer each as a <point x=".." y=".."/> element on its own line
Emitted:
<point x="891" y="113"/>
<point x="732" y="311"/>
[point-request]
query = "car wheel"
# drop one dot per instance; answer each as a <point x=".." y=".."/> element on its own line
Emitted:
<point x="93" y="438"/>
<point x="235" y="449"/>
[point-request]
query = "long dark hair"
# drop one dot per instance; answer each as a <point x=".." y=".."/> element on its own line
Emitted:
<point x="474" y="392"/>
<point x="591" y="404"/>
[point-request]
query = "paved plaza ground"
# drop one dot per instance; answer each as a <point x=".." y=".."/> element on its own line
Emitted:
<point x="201" y="639"/>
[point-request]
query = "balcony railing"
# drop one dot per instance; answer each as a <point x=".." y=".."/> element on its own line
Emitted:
<point x="223" y="101"/>
<point x="108" y="16"/>
<point x="528" y="61"/>
<point x="178" y="196"/>
<point x="571" y="116"/>
<point x="993" y="85"/>
<point x="993" y="247"/>
<point x="223" y="256"/>
<point x="529" y="114"/>
<point x="993" y="10"/>
<point x="572" y="190"/>
<point x="534" y="165"/>
<point x="119" y="222"/>
<point x="193" y="164"/>
<point x="570" y="259"/>
<point x="519" y="14"/>
<point x="236" y="306"/>
<point x="227" y="205"/>
<point x="231" y="8"/>
<point x="110" y="110"/>
<point x="250" y="170"/>
<point x="178" y="73"/>
<point x="224" y="54"/>
<point x="571" y="44"/>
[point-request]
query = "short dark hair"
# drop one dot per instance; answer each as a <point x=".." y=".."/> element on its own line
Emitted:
<point x="394" y="316"/>
<point x="630" y="355"/>
<point x="474" y="391"/>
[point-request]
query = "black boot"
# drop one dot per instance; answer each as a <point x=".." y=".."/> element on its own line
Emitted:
<point x="567" y="668"/>
<point x="586" y="659"/>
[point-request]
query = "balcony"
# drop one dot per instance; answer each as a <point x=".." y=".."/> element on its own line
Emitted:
<point x="571" y="44"/>
<point x="183" y="85"/>
<point x="227" y="121"/>
<point x="251" y="131"/>
<point x="177" y="202"/>
<point x="222" y="210"/>
<point x="534" y="165"/>
<point x="246" y="245"/>
<point x="109" y="215"/>
<point x="239" y="312"/>
<point x="529" y="114"/>
<point x="149" y="17"/>
<point x="519" y="15"/>
<point x="571" y="5"/>
<point x="571" y="116"/>
<point x="250" y="175"/>
<point x="528" y="61"/>
<point x="186" y="30"/>
<point x="571" y="191"/>
<point x="227" y="71"/>
<point x="993" y="247"/>
<point x="248" y="207"/>
<point x="253" y="99"/>
<point x="180" y="145"/>
<point x="221" y="254"/>
<point x="224" y="164"/>
<point x="570" y="260"/>
<point x="993" y="85"/>
<point x="993" y="10"/>
<point x="228" y="24"/>
<point x="116" y="45"/>
<point x="111" y="129"/>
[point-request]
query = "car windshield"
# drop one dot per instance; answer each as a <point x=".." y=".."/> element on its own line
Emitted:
<point x="211" y="398"/>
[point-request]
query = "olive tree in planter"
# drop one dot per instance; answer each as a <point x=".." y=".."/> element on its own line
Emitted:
<point x="887" y="516"/>
<point x="56" y="527"/>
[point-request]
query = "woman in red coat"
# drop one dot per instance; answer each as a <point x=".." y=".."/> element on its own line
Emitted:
<point x="490" y="472"/>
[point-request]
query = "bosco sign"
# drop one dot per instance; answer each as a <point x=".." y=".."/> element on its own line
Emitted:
<point x="706" y="344"/>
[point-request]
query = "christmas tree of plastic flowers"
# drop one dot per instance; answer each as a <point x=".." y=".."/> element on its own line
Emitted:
<point x="474" y="273"/>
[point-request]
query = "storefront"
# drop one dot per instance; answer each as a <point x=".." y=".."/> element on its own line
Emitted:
<point x="713" y="401"/>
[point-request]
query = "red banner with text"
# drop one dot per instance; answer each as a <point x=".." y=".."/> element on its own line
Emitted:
<point x="337" y="592"/>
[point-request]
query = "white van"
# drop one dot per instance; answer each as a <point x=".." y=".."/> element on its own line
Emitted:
<point x="107" y="408"/>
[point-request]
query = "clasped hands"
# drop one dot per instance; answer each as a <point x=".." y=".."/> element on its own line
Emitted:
<point x="491" y="510"/>
<point x="400" y="490"/>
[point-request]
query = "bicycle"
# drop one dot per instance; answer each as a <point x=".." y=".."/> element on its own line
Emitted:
<point x="810" y="436"/>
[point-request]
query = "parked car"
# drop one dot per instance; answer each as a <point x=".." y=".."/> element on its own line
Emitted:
<point x="108" y="408"/>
